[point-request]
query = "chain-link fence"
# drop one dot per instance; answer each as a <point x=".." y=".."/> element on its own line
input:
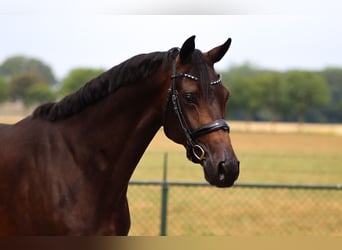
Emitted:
<point x="199" y="209"/>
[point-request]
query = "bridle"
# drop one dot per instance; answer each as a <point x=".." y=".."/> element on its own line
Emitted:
<point x="192" y="146"/>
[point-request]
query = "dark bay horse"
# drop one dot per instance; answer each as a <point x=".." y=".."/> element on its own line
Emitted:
<point x="64" y="170"/>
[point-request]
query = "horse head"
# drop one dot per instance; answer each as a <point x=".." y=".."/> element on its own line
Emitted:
<point x="195" y="112"/>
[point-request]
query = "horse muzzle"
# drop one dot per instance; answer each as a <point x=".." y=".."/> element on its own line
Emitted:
<point x="223" y="174"/>
<point x="217" y="156"/>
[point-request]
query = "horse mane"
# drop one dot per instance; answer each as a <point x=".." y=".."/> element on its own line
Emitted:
<point x="128" y="72"/>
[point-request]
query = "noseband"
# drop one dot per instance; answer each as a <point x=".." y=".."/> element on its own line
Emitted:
<point x="190" y="135"/>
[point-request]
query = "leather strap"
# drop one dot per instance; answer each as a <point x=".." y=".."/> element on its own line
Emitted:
<point x="210" y="127"/>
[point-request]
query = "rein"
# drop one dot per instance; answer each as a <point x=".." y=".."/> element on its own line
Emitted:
<point x="190" y="135"/>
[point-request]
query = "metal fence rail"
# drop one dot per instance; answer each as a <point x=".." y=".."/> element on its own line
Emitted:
<point x="196" y="208"/>
<point x="239" y="185"/>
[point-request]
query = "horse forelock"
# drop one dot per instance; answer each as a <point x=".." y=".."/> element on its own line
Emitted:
<point x="200" y="68"/>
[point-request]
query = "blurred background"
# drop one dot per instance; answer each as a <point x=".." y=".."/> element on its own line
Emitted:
<point x="284" y="71"/>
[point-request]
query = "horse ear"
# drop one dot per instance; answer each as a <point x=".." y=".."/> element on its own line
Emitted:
<point x="187" y="49"/>
<point x="217" y="53"/>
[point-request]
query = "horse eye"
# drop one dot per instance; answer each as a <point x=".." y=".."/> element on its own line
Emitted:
<point x="189" y="98"/>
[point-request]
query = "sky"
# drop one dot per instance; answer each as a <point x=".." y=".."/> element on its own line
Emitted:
<point x="278" y="35"/>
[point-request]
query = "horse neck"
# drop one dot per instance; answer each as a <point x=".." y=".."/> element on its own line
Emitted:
<point x="111" y="136"/>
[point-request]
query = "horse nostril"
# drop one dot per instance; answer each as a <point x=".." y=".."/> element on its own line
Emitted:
<point x="221" y="170"/>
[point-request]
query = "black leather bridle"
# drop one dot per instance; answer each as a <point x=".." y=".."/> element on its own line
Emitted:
<point x="192" y="147"/>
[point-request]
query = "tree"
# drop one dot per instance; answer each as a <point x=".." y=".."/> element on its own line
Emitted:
<point x="274" y="102"/>
<point x="20" y="65"/>
<point x="3" y="90"/>
<point x="333" y="110"/>
<point x="254" y="91"/>
<point x="306" y="90"/>
<point x="271" y="95"/>
<point x="39" y="93"/>
<point x="246" y="96"/>
<point x="244" y="70"/>
<point x="77" y="78"/>
<point x="22" y="85"/>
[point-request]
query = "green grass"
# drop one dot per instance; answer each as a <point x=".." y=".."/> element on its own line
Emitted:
<point x="291" y="158"/>
<point x="265" y="158"/>
<point x="237" y="211"/>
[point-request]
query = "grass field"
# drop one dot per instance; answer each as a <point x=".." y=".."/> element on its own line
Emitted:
<point x="237" y="211"/>
<point x="266" y="157"/>
<point x="281" y="153"/>
<point x="297" y="158"/>
<point x="268" y="152"/>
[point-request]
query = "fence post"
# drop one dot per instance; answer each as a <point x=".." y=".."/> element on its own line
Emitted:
<point x="164" y="198"/>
